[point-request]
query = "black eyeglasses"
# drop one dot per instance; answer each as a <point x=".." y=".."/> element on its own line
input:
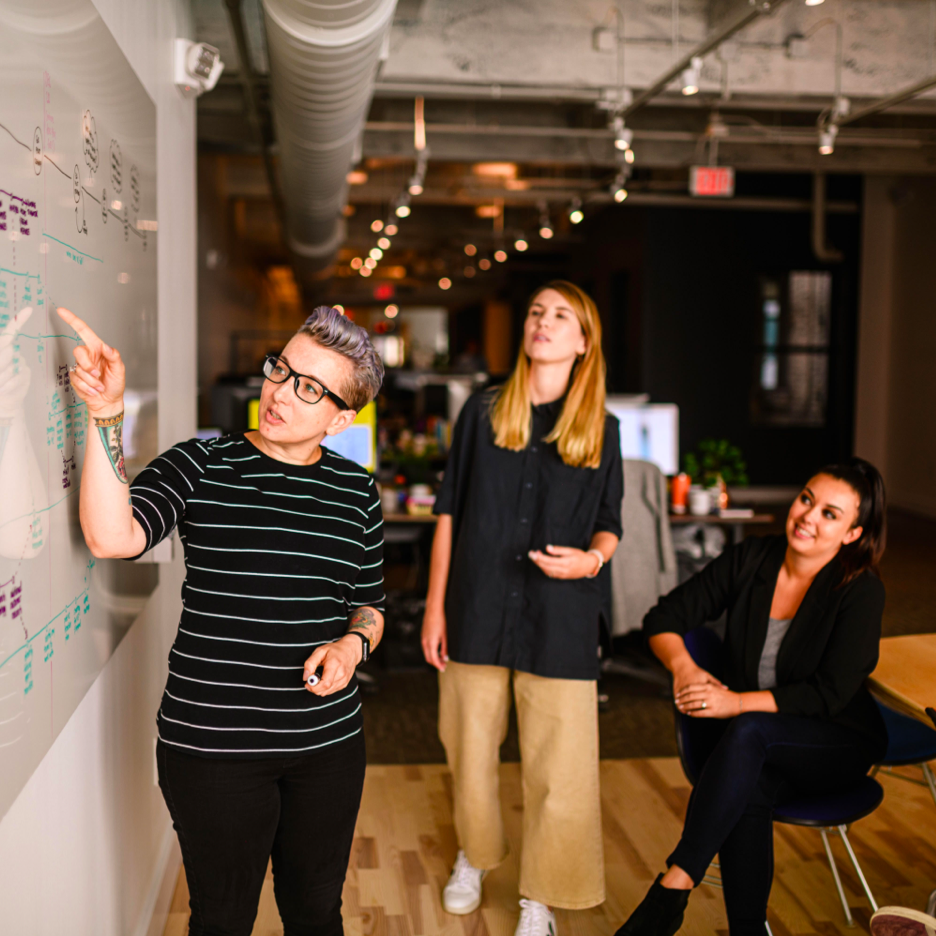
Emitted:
<point x="308" y="389"/>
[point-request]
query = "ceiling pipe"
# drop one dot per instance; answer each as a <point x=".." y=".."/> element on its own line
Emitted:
<point x="324" y="58"/>
<point x="884" y="103"/>
<point x="756" y="9"/>
<point x="248" y="82"/>
<point x="820" y="248"/>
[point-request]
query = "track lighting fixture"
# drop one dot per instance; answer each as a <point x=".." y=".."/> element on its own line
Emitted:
<point x="691" y="76"/>
<point x="827" y="137"/>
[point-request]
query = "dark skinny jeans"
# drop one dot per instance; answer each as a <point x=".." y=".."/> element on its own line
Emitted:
<point x="232" y="815"/>
<point x="760" y="760"/>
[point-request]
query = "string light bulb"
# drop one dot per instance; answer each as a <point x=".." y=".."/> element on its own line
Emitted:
<point x="618" y="188"/>
<point x="392" y="311"/>
<point x="500" y="255"/>
<point x="376" y="253"/>
<point x="520" y="244"/>
<point x="445" y="283"/>
<point x="391" y="230"/>
<point x="484" y="263"/>
<point x="376" y="226"/>
<point x="384" y="243"/>
<point x="576" y="215"/>
<point x="470" y="250"/>
<point x="356" y="263"/>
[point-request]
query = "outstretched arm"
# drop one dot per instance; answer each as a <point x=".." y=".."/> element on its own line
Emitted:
<point x="105" y="510"/>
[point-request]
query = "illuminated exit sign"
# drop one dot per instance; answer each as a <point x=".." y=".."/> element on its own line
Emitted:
<point x="711" y="181"/>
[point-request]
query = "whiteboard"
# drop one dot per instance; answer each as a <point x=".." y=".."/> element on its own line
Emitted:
<point x="77" y="229"/>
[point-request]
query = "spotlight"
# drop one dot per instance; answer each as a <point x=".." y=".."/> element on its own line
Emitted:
<point x="391" y="311"/>
<point x="827" y="139"/>
<point x="376" y="253"/>
<point x="520" y="244"/>
<point x="384" y="243"/>
<point x="622" y="136"/>
<point x="484" y="263"/>
<point x="370" y="263"/>
<point x="500" y="255"/>
<point x="366" y="271"/>
<point x="690" y="77"/>
<point x="618" y="189"/>
<point x="445" y="283"/>
<point x="470" y="250"/>
<point x="576" y="215"/>
<point x="376" y="226"/>
<point x="391" y="230"/>
<point x="545" y="226"/>
<point x="356" y="263"/>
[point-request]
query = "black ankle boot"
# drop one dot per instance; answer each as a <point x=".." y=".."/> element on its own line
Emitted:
<point x="660" y="913"/>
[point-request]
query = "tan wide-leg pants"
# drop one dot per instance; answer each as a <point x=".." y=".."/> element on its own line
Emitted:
<point x="562" y="860"/>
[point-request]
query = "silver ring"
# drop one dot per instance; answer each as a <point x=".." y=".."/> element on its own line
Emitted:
<point x="703" y="705"/>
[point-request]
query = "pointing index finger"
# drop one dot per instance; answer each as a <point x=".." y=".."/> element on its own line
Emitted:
<point x="84" y="330"/>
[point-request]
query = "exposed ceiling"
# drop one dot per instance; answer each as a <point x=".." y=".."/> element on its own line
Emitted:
<point x="534" y="85"/>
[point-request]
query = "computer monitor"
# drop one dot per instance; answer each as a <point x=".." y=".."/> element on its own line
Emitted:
<point x="649" y="431"/>
<point x="358" y="442"/>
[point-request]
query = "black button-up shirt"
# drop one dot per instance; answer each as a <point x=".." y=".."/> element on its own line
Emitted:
<point x="501" y="610"/>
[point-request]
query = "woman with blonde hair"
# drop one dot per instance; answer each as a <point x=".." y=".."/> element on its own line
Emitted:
<point x="529" y="514"/>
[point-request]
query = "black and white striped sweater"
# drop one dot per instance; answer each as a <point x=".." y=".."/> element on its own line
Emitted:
<point x="277" y="557"/>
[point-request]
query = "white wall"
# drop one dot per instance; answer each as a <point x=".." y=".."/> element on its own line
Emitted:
<point x="87" y="846"/>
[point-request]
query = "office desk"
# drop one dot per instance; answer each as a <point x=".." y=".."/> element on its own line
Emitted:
<point x="905" y="677"/>
<point x="735" y="525"/>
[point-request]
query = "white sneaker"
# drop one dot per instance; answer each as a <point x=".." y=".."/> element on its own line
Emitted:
<point x="462" y="894"/>
<point x="536" y="919"/>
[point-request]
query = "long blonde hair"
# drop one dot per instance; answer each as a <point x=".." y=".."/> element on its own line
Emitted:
<point x="579" y="430"/>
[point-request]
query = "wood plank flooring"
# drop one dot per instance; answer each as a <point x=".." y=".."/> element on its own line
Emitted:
<point x="405" y="845"/>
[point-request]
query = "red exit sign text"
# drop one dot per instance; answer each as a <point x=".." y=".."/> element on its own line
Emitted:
<point x="711" y="181"/>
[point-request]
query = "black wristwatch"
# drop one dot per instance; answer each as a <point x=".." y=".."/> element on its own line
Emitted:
<point x="365" y="654"/>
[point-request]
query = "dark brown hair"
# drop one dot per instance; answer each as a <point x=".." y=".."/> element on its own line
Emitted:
<point x="866" y="481"/>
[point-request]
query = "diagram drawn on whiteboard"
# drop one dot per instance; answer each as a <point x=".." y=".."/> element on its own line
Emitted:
<point x="77" y="229"/>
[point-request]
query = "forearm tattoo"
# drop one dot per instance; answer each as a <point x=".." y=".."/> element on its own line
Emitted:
<point x="110" y="428"/>
<point x="365" y="621"/>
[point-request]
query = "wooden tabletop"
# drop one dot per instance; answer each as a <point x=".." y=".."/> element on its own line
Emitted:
<point x="905" y="677"/>
<point x="409" y="518"/>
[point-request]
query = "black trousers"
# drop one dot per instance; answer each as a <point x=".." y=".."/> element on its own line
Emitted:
<point x="760" y="760"/>
<point x="232" y="815"/>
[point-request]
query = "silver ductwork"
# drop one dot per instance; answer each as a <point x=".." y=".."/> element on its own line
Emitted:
<point x="324" y="56"/>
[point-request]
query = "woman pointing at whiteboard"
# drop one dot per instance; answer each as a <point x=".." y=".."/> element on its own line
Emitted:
<point x="283" y="551"/>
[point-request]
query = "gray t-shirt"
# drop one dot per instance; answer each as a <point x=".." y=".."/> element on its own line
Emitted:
<point x="767" y="668"/>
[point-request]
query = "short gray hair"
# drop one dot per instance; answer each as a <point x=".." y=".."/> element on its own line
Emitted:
<point x="336" y="332"/>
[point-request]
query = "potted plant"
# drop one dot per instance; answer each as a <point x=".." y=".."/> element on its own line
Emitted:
<point x="717" y="463"/>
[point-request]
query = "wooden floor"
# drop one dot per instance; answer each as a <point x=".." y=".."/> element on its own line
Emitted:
<point x="405" y="845"/>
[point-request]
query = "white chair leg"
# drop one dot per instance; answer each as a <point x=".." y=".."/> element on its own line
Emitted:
<point x="843" y="831"/>
<point x="849" y="919"/>
<point x="930" y="780"/>
<point x="769" y="930"/>
<point x="931" y="904"/>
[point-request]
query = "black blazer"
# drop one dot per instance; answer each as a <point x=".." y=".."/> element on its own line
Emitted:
<point x="826" y="655"/>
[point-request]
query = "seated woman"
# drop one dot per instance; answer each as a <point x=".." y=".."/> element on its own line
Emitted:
<point x="804" y="621"/>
